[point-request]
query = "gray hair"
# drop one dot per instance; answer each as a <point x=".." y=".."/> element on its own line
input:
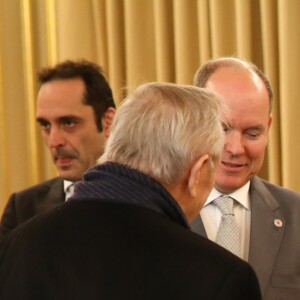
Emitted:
<point x="161" y="128"/>
<point x="206" y="70"/>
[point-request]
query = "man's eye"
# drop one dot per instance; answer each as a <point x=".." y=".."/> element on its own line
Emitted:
<point x="253" y="134"/>
<point x="44" y="125"/>
<point x="225" y="127"/>
<point x="69" y="123"/>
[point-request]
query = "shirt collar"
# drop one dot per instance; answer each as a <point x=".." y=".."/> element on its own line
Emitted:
<point x="67" y="183"/>
<point x="241" y="195"/>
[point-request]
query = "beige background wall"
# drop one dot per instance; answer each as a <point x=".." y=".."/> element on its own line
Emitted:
<point x="137" y="41"/>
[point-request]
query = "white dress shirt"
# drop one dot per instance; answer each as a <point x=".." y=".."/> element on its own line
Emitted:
<point x="211" y="216"/>
<point x="68" y="188"/>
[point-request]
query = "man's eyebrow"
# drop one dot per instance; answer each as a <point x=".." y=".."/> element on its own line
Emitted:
<point x="69" y="117"/>
<point x="41" y="120"/>
<point x="226" y="124"/>
<point x="256" y="127"/>
<point x="59" y="119"/>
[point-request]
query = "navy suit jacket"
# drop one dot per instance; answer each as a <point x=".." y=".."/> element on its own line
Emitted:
<point x="274" y="251"/>
<point x="26" y="204"/>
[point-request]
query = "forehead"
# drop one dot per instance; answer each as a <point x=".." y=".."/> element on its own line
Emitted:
<point x="60" y="98"/>
<point x="244" y="94"/>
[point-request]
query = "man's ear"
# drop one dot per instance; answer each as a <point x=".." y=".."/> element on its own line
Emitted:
<point x="197" y="171"/>
<point x="107" y="121"/>
<point x="270" y="121"/>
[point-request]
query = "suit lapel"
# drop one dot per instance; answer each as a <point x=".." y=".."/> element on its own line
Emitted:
<point x="50" y="195"/>
<point x="265" y="237"/>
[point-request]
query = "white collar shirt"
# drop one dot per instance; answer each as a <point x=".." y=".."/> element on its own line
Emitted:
<point x="211" y="216"/>
<point x="68" y="189"/>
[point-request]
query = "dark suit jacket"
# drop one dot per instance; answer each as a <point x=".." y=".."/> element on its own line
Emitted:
<point x="274" y="250"/>
<point x="24" y="205"/>
<point x="95" y="250"/>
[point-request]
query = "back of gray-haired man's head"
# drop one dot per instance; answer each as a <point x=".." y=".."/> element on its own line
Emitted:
<point x="161" y="128"/>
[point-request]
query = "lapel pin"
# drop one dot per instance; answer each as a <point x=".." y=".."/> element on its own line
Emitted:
<point x="278" y="223"/>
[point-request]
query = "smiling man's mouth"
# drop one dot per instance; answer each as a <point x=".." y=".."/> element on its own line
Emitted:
<point x="232" y="165"/>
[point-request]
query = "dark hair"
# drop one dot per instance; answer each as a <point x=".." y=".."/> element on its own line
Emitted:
<point x="98" y="93"/>
<point x="205" y="71"/>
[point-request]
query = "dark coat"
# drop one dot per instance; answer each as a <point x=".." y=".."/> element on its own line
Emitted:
<point x="93" y="250"/>
<point x="103" y="244"/>
<point x="26" y="204"/>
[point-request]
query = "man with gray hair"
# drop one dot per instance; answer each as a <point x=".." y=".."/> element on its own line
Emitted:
<point x="124" y="234"/>
<point x="266" y="217"/>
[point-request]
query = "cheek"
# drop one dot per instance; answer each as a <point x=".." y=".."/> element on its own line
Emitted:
<point x="93" y="144"/>
<point x="210" y="177"/>
<point x="256" y="151"/>
<point x="45" y="138"/>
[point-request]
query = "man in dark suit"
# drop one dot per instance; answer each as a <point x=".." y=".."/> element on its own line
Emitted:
<point x="75" y="107"/>
<point x="267" y="216"/>
<point x="124" y="234"/>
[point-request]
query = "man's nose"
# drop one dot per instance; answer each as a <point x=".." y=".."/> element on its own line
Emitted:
<point x="56" y="138"/>
<point x="234" y="143"/>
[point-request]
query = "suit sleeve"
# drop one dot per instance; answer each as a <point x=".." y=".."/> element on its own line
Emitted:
<point x="9" y="218"/>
